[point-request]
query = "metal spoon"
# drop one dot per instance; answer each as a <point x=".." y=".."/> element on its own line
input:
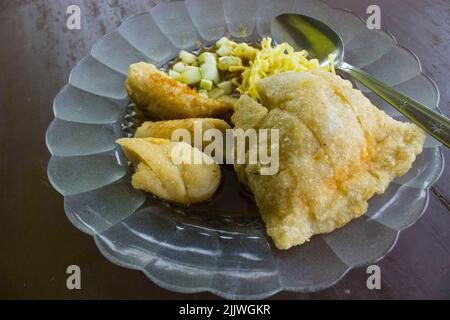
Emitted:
<point x="303" y="32"/>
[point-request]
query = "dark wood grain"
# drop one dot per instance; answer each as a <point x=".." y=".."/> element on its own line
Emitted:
<point x="37" y="242"/>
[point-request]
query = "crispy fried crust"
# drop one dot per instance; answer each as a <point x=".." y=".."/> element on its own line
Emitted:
<point x="164" y="129"/>
<point x="161" y="97"/>
<point x="336" y="151"/>
<point x="158" y="174"/>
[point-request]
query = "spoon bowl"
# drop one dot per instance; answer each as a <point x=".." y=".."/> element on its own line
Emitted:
<point x="306" y="33"/>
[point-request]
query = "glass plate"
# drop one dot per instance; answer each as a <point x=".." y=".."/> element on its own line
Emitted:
<point x="220" y="246"/>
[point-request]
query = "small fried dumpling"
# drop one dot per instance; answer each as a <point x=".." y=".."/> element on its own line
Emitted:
<point x="164" y="129"/>
<point x="157" y="173"/>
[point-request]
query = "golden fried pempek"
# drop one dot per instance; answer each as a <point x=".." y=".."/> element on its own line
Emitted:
<point x="157" y="173"/>
<point x="336" y="151"/>
<point x="195" y="127"/>
<point x="161" y="97"/>
<point x="165" y="129"/>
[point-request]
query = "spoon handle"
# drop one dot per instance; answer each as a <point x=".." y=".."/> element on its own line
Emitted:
<point x="432" y="122"/>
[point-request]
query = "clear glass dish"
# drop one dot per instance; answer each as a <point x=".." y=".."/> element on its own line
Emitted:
<point x="220" y="246"/>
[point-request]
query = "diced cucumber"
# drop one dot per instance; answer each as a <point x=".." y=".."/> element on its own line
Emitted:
<point x="223" y="51"/>
<point x="174" y="74"/>
<point x="202" y="92"/>
<point x="191" y="76"/>
<point x="210" y="72"/>
<point x="226" y="62"/>
<point x="206" y="84"/>
<point x="226" y="86"/>
<point x="207" y="58"/>
<point x="216" y="93"/>
<point x="179" y="67"/>
<point x="245" y="51"/>
<point x="222" y="41"/>
<point x="236" y="68"/>
<point x="187" y="57"/>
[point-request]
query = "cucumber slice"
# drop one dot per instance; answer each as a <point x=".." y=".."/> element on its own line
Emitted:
<point x="216" y="93"/>
<point x="222" y="41"/>
<point x="207" y="58"/>
<point x="179" y="67"/>
<point x="224" y="51"/>
<point x="174" y="74"/>
<point x="236" y="68"/>
<point x="191" y="76"/>
<point x="210" y="72"/>
<point x="226" y="86"/>
<point x="187" y="57"/>
<point x="226" y="62"/>
<point x="206" y="84"/>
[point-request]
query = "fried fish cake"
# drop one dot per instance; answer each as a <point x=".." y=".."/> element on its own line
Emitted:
<point x="162" y="97"/>
<point x="336" y="151"/>
<point x="157" y="173"/>
<point x="166" y="129"/>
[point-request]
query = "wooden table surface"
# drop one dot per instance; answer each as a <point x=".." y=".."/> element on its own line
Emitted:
<point x="37" y="242"/>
